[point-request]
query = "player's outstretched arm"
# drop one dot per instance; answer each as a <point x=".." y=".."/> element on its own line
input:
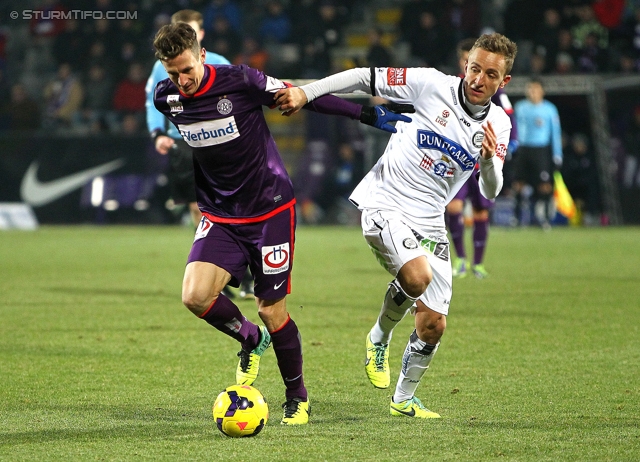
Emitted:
<point x="380" y="116"/>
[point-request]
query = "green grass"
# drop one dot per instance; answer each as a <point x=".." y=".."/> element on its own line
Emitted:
<point x="100" y="361"/>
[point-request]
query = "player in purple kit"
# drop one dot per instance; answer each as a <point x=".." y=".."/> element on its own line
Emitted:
<point x="246" y="198"/>
<point x="471" y="190"/>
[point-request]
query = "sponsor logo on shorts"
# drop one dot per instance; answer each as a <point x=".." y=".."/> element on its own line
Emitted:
<point x="431" y="140"/>
<point x="397" y="76"/>
<point x="410" y="244"/>
<point x="204" y="227"/>
<point x="438" y="249"/>
<point x="209" y="132"/>
<point x="275" y="258"/>
<point x="224" y="106"/>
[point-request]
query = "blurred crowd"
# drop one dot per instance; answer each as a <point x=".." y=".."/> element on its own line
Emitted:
<point x="88" y="75"/>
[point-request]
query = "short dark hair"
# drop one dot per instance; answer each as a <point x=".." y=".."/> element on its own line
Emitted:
<point x="173" y="39"/>
<point x="187" y="16"/>
<point x="499" y="44"/>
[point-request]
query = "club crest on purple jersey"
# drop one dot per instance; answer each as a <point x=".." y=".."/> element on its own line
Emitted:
<point x="224" y="106"/>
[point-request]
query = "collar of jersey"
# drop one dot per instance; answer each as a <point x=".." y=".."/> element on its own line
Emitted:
<point x="207" y="79"/>
<point x="463" y="102"/>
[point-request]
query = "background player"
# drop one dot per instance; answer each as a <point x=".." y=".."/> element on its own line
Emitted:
<point x="540" y="143"/>
<point x="480" y="204"/>
<point x="246" y="198"/>
<point x="403" y="197"/>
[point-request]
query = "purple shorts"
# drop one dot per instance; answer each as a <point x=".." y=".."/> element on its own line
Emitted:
<point x="471" y="190"/>
<point x="265" y="246"/>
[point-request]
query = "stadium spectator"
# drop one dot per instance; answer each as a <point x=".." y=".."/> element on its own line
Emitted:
<point x="377" y="54"/>
<point x="581" y="177"/>
<point x="243" y="188"/>
<point x="96" y="108"/>
<point x="539" y="134"/>
<point x="592" y="58"/>
<point x="429" y="41"/>
<point x="70" y="46"/>
<point x="226" y="8"/>
<point x="631" y="143"/>
<point x="546" y="40"/>
<point x="461" y="18"/>
<point x="21" y="112"/>
<point x="252" y="54"/>
<point x="322" y="33"/>
<point x="63" y="98"/>
<point x="275" y="26"/>
<point x="223" y="40"/>
<point x="129" y="92"/>
<point x="403" y="220"/>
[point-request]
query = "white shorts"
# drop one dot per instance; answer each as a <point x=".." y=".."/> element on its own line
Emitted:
<point x="394" y="243"/>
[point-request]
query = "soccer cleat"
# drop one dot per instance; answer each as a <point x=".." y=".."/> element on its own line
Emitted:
<point x="377" y="363"/>
<point x="412" y="408"/>
<point x="459" y="268"/>
<point x="479" y="271"/>
<point x="296" y="412"/>
<point x="249" y="364"/>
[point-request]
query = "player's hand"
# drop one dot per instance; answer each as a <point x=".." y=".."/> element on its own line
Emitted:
<point x="164" y="143"/>
<point x="488" y="149"/>
<point x="380" y="116"/>
<point x="290" y="100"/>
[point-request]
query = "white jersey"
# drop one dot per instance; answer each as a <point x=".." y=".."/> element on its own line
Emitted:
<point x="428" y="160"/>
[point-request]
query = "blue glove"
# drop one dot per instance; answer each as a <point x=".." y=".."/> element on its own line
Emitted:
<point x="512" y="146"/>
<point x="380" y="116"/>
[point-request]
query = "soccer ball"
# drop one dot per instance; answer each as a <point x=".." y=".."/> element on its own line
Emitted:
<point x="240" y="410"/>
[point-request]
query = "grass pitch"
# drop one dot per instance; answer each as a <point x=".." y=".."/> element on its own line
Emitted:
<point x="99" y="360"/>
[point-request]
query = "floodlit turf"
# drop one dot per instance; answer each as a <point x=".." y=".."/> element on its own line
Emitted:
<point x="100" y="361"/>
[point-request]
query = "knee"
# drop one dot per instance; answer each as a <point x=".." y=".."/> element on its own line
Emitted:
<point x="432" y="327"/>
<point x="197" y="302"/>
<point x="416" y="282"/>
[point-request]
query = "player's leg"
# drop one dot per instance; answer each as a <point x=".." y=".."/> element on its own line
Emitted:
<point x="420" y="350"/>
<point x="481" y="206"/>
<point x="216" y="259"/>
<point x="520" y="167"/>
<point x="271" y="263"/>
<point x="395" y="247"/>
<point x="287" y="346"/>
<point x="196" y="214"/>
<point x="456" y="228"/>
<point x="544" y="186"/>
<point x="424" y="341"/>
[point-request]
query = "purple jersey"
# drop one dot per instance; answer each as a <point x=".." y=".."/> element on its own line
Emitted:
<point x="239" y="175"/>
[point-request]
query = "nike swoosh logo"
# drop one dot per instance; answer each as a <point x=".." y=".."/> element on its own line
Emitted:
<point x="411" y="413"/>
<point x="37" y="193"/>
<point x="277" y="286"/>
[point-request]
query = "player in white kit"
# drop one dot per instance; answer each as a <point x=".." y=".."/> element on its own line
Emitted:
<point x="403" y="197"/>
